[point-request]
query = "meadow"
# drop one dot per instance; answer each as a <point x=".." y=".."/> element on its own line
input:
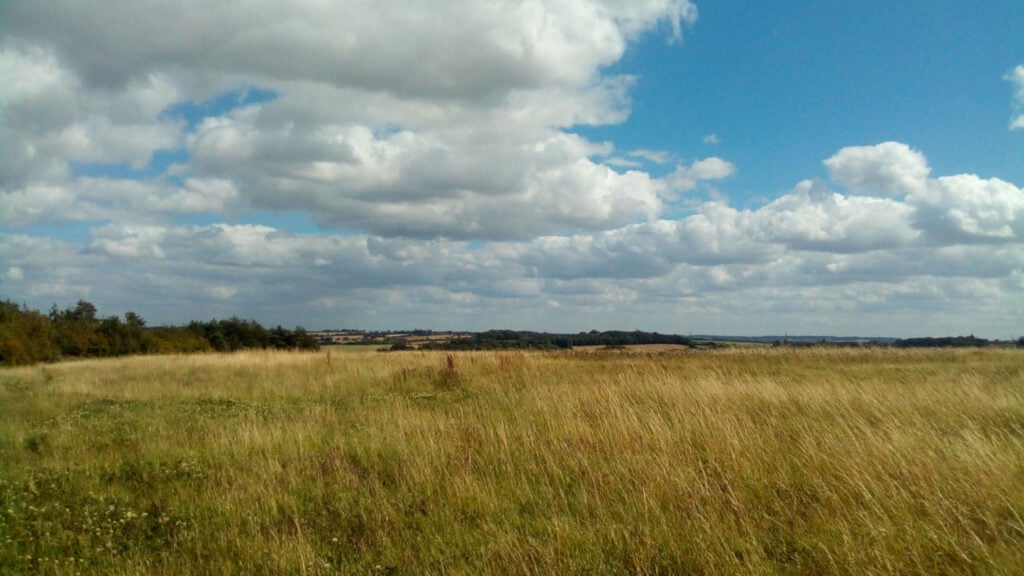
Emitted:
<point x="744" y="461"/>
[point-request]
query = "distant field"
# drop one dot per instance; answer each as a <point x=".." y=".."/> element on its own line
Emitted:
<point x="335" y="349"/>
<point x="744" y="461"/>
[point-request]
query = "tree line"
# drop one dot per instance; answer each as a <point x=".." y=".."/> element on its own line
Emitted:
<point x="948" y="342"/>
<point x="28" y="336"/>
<point x="513" y="340"/>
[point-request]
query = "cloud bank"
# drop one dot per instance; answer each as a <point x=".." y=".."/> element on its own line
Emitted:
<point x="442" y="182"/>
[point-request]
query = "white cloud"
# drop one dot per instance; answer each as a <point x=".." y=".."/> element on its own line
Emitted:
<point x="127" y="241"/>
<point x="976" y="261"/>
<point x="448" y="181"/>
<point x="656" y="156"/>
<point x="620" y="162"/>
<point x="410" y="183"/>
<point x="685" y="178"/>
<point x="966" y="208"/>
<point x="381" y="124"/>
<point x="50" y="119"/>
<point x="32" y="204"/>
<point x="810" y="220"/>
<point x="639" y="15"/>
<point x="487" y="49"/>
<point x="814" y="218"/>
<point x="119" y="199"/>
<point x="813" y="254"/>
<point x="886" y="169"/>
<point x="1016" y="76"/>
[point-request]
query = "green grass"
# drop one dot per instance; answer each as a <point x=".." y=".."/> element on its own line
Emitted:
<point x="759" y="461"/>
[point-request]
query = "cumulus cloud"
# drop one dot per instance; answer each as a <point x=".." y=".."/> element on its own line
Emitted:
<point x="487" y="48"/>
<point x="809" y="219"/>
<point x="420" y="184"/>
<point x="50" y="119"/>
<point x="886" y="169"/>
<point x="381" y="124"/>
<point x="812" y="217"/>
<point x="445" y="176"/>
<point x="947" y="209"/>
<point x="966" y="208"/>
<point x="811" y="253"/>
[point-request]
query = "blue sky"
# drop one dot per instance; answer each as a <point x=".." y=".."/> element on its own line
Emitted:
<point x="802" y="167"/>
<point x="783" y="85"/>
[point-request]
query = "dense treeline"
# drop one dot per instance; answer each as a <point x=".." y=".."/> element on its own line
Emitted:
<point x="945" y="342"/>
<point x="236" y="334"/>
<point x="29" y="336"/>
<point x="511" y="339"/>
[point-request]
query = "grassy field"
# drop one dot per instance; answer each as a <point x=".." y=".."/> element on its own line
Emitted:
<point x="761" y="461"/>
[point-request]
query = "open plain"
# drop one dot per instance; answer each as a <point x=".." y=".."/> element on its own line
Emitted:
<point x="744" y="461"/>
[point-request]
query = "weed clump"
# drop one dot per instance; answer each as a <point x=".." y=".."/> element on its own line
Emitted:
<point x="448" y="377"/>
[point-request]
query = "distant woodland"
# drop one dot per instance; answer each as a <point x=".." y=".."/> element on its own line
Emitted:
<point x="29" y="336"/>
<point x="511" y="339"/>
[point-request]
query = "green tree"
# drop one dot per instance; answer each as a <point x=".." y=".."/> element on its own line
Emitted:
<point x="112" y="338"/>
<point x="77" y="330"/>
<point x="304" y="341"/>
<point x="135" y="334"/>
<point x="26" y="336"/>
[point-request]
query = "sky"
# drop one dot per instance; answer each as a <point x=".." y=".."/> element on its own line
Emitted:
<point x="710" y="167"/>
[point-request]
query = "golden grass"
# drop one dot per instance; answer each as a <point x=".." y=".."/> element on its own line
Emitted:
<point x="755" y="461"/>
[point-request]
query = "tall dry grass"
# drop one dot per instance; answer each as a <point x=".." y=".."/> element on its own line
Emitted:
<point x="822" y="461"/>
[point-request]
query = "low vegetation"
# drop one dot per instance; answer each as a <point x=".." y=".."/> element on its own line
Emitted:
<point x="758" y="461"/>
<point x="28" y="336"/>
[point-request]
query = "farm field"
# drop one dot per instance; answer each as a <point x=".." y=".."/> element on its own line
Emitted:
<point x="744" y="461"/>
